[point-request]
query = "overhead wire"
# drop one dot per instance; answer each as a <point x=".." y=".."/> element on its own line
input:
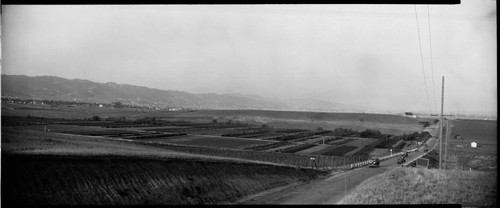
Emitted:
<point x="432" y="64"/>
<point x="422" y="61"/>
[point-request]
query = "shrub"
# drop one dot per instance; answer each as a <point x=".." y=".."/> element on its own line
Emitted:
<point x="96" y="118"/>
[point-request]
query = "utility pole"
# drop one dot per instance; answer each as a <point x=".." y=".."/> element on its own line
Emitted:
<point x="446" y="143"/>
<point x="441" y="126"/>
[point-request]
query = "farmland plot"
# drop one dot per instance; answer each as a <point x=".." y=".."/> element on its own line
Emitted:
<point x="341" y="141"/>
<point x="303" y="139"/>
<point x="360" y="141"/>
<point x="277" y="149"/>
<point x="298" y="148"/>
<point x="319" y="139"/>
<point x="213" y="141"/>
<point x="355" y="151"/>
<point x="317" y="148"/>
<point x="335" y="150"/>
<point x="268" y="146"/>
<point x="379" y="152"/>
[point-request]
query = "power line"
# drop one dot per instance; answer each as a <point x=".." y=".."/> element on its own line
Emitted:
<point x="422" y="61"/>
<point x="432" y="65"/>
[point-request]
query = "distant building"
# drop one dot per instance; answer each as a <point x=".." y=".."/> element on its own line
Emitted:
<point x="473" y="144"/>
<point x="410" y="114"/>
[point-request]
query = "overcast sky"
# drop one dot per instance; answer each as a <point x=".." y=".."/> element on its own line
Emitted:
<point x="358" y="54"/>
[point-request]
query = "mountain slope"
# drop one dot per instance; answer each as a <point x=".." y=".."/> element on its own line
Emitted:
<point x="56" y="88"/>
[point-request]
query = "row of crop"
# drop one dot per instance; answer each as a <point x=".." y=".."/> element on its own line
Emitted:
<point x="298" y="148"/>
<point x="320" y="161"/>
<point x="268" y="146"/>
<point x="329" y="140"/>
<point x="193" y="129"/>
<point x="221" y="131"/>
<point x="341" y="142"/>
<point x="387" y="143"/>
<point x="287" y="131"/>
<point x="246" y="133"/>
<point x="129" y="125"/>
<point x="288" y="137"/>
<point x="261" y="135"/>
<point x="335" y="150"/>
<point x="199" y="130"/>
<point x="367" y="149"/>
<point x="305" y="138"/>
<point x="322" y="132"/>
<point x="153" y="136"/>
<point x="400" y="146"/>
<point x="99" y="132"/>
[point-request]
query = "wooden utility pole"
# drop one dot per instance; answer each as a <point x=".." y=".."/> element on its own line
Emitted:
<point x="441" y="126"/>
<point x="446" y="143"/>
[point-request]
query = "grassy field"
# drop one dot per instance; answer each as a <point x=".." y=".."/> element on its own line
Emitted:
<point x="460" y="153"/>
<point x="476" y="130"/>
<point x="424" y="186"/>
<point x="393" y="124"/>
<point x="114" y="180"/>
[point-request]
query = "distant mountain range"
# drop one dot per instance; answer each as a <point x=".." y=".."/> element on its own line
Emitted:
<point x="57" y="88"/>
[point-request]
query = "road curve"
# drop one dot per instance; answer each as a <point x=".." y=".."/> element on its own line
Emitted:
<point x="332" y="189"/>
<point x="327" y="190"/>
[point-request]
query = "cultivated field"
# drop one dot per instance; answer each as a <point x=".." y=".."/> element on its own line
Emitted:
<point x="92" y="145"/>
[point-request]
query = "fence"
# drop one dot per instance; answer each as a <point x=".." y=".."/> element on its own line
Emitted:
<point x="367" y="162"/>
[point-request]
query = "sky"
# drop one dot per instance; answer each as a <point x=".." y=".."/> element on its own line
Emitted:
<point x="354" y="54"/>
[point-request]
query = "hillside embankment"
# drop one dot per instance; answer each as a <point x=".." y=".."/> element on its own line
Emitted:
<point x="427" y="186"/>
<point x="121" y="180"/>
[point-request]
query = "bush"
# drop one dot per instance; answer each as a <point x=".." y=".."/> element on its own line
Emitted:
<point x="96" y="118"/>
<point x="368" y="133"/>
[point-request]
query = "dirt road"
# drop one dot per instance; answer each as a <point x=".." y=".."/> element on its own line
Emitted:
<point x="328" y="190"/>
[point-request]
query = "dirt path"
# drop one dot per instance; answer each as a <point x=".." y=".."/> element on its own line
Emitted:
<point x="328" y="190"/>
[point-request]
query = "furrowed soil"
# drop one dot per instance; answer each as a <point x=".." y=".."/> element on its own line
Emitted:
<point x="123" y="180"/>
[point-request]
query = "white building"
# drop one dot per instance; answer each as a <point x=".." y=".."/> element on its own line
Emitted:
<point x="473" y="144"/>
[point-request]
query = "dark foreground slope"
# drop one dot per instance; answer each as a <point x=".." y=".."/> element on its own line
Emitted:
<point x="111" y="180"/>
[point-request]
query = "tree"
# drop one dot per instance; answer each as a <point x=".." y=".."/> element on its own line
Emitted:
<point x="117" y="105"/>
<point x="96" y="118"/>
<point x="426" y="124"/>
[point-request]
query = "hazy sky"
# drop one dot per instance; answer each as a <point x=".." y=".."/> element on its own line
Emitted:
<point x="359" y="54"/>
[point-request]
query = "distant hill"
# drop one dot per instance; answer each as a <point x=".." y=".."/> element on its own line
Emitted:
<point x="57" y="88"/>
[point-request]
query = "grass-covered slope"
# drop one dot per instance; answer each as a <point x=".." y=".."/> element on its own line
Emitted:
<point x="424" y="186"/>
<point x="112" y="180"/>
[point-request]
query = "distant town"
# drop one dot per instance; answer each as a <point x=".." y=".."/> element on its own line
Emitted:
<point x="162" y="107"/>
